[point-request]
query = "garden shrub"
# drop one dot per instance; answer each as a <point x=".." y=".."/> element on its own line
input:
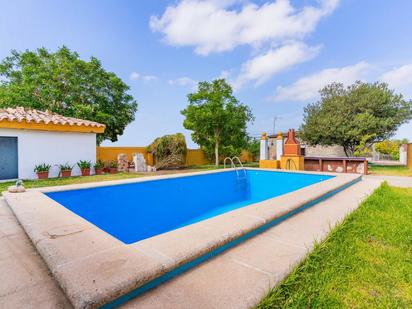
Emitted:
<point x="390" y="147"/>
<point x="169" y="151"/>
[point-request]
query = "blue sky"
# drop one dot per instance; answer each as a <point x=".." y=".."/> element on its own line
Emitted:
<point x="276" y="54"/>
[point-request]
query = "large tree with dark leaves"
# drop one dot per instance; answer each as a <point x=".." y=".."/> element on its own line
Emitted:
<point x="354" y="117"/>
<point x="63" y="83"/>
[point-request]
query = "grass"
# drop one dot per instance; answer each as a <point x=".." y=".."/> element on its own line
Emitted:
<point x="105" y="177"/>
<point x="387" y="170"/>
<point x="68" y="181"/>
<point x="366" y="262"/>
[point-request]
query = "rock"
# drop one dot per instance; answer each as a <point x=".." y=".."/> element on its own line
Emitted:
<point x="139" y="162"/>
<point x="122" y="163"/>
<point x="151" y="168"/>
<point x="16" y="189"/>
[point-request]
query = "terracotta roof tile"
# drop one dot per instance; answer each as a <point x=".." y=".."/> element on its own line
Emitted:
<point x="21" y="114"/>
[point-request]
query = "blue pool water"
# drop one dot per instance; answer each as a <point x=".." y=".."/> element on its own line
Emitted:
<point x="135" y="211"/>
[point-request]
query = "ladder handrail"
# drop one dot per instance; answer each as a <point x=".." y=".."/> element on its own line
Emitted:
<point x="232" y="164"/>
<point x="231" y="161"/>
<point x="240" y="163"/>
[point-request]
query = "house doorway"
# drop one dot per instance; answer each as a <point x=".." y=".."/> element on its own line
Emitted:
<point x="8" y="158"/>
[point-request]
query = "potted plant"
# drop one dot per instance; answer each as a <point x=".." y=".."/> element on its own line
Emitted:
<point x="98" y="167"/>
<point x="84" y="167"/>
<point x="65" y="170"/>
<point x="42" y="170"/>
<point x="112" y="167"/>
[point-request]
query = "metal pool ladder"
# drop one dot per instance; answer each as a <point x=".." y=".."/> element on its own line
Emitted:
<point x="233" y="165"/>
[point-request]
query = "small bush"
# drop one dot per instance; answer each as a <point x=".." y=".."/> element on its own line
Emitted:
<point x="40" y="168"/>
<point x="65" y="167"/>
<point x="83" y="164"/>
<point x="99" y="164"/>
<point x="113" y="164"/>
<point x="169" y="150"/>
<point x="390" y="147"/>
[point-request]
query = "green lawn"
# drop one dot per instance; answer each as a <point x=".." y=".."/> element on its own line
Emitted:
<point x="366" y="262"/>
<point x="106" y="177"/>
<point x="397" y="170"/>
<point x="68" y="181"/>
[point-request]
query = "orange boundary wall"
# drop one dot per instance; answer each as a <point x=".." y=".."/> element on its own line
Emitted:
<point x="110" y="153"/>
<point x="193" y="157"/>
<point x="409" y="156"/>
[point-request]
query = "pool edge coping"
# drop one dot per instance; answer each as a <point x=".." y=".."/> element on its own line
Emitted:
<point x="148" y="259"/>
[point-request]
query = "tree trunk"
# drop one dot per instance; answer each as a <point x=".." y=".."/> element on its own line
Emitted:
<point x="217" y="153"/>
<point x="348" y="151"/>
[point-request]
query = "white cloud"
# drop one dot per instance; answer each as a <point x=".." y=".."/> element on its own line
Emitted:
<point x="149" y="78"/>
<point x="134" y="76"/>
<point x="218" y="26"/>
<point x="224" y="74"/>
<point x="264" y="66"/>
<point x="307" y="88"/>
<point x="400" y="78"/>
<point x="183" y="81"/>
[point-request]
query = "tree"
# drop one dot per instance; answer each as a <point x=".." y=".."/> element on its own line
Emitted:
<point x="63" y="83"/>
<point x="390" y="147"/>
<point x="355" y="116"/>
<point x="169" y="150"/>
<point x="218" y="120"/>
<point x="253" y="146"/>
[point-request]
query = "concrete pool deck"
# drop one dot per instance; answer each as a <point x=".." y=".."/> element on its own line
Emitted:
<point x="69" y="237"/>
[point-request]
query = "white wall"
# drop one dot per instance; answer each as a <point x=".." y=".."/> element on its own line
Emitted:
<point x="403" y="154"/>
<point x="36" y="147"/>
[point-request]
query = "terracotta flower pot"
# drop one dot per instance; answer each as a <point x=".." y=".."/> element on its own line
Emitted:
<point x="66" y="173"/>
<point x="98" y="171"/>
<point x="43" y="175"/>
<point x="113" y="170"/>
<point x="86" y="172"/>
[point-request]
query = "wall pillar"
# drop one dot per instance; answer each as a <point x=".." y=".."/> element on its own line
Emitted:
<point x="264" y="150"/>
<point x="409" y="156"/>
<point x="279" y="146"/>
<point x="403" y="154"/>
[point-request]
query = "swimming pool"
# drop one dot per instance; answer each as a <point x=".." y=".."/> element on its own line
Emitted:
<point x="136" y="211"/>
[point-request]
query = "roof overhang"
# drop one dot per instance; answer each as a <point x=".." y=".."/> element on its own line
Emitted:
<point x="6" y="124"/>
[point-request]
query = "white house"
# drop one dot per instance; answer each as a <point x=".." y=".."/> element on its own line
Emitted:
<point x="30" y="137"/>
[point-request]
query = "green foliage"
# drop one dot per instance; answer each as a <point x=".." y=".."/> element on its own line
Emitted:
<point x="99" y="164"/>
<point x="65" y="167"/>
<point x="42" y="168"/>
<point x="83" y="164"/>
<point x="63" y="83"/>
<point x="113" y="164"/>
<point x="253" y="146"/>
<point x="169" y="150"/>
<point x="365" y="262"/>
<point x="39" y="183"/>
<point x="363" y="149"/>
<point x="390" y="147"/>
<point x="359" y="114"/>
<point x="218" y="120"/>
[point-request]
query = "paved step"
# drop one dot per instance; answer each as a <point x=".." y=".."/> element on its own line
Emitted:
<point x="241" y="276"/>
<point x="25" y="279"/>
